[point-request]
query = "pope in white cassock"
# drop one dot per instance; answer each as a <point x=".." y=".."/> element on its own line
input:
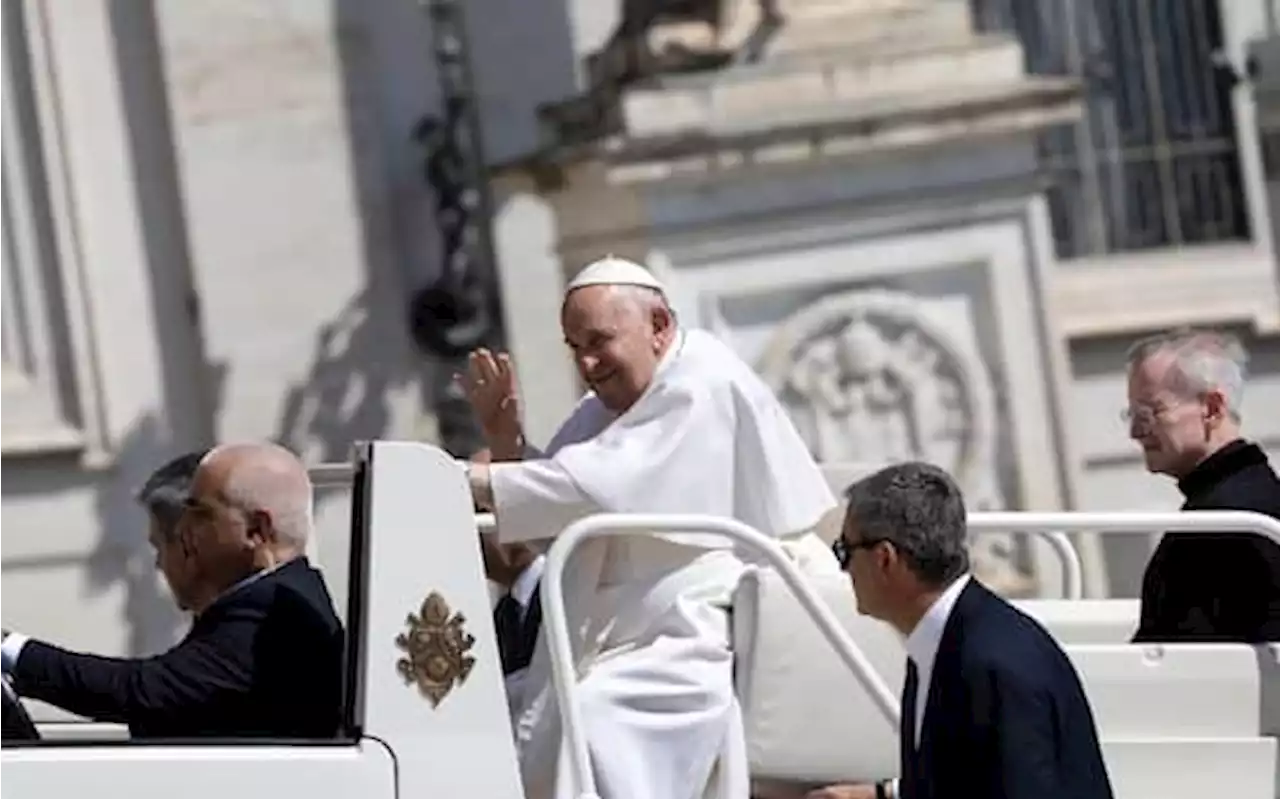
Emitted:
<point x="674" y="422"/>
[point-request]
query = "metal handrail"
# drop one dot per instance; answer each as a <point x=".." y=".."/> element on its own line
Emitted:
<point x="337" y="473"/>
<point x="1130" y="522"/>
<point x="1072" y="567"/>
<point x="616" y="524"/>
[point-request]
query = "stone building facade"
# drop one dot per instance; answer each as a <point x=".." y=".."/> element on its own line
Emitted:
<point x="933" y="227"/>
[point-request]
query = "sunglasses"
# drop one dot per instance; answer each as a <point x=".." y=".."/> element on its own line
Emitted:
<point x="844" y="550"/>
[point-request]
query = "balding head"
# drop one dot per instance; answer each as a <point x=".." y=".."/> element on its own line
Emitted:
<point x="266" y="479"/>
<point x="248" y="508"/>
<point x="618" y="335"/>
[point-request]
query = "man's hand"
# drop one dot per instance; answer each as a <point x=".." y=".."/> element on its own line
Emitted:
<point x="491" y="388"/>
<point x="481" y="486"/>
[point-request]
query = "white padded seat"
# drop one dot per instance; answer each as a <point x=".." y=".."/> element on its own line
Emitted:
<point x="1184" y="691"/>
<point x="1191" y="768"/>
<point x="808" y="721"/>
<point x="806" y="717"/>
<point x="1085" y="621"/>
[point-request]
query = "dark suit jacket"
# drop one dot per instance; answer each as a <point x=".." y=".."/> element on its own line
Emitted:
<point x="17" y="725"/>
<point x="1006" y="716"/>
<point x="1223" y="586"/>
<point x="516" y="646"/>
<point x="264" y="660"/>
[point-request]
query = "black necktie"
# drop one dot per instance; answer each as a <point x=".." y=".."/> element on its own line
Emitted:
<point x="507" y="618"/>
<point x="907" y="734"/>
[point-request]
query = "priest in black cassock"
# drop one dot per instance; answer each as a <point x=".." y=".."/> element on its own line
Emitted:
<point x="1185" y="391"/>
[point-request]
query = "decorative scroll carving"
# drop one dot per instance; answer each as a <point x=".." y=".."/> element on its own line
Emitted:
<point x="869" y="377"/>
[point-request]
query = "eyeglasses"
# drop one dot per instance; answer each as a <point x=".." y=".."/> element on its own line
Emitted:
<point x="844" y="550"/>
<point x="1146" y="414"/>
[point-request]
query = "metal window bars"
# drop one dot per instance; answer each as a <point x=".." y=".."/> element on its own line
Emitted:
<point x="1154" y="161"/>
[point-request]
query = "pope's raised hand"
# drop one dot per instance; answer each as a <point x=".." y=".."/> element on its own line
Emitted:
<point x="490" y="383"/>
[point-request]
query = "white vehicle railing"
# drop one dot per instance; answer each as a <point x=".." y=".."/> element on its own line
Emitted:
<point x="613" y="524"/>
<point x="1129" y="522"/>
<point x="1055" y="523"/>
<point x="1072" y="568"/>
<point x="327" y="475"/>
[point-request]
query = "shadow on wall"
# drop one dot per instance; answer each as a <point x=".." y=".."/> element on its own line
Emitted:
<point x="346" y="395"/>
<point x="366" y="375"/>
<point x="122" y="554"/>
<point x="363" y="366"/>
<point x="119" y="556"/>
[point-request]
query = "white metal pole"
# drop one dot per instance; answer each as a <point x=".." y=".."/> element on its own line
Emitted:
<point x="556" y="624"/>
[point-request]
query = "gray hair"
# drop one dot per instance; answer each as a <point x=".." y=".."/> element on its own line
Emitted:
<point x="919" y="509"/>
<point x="272" y="479"/>
<point x="645" y="299"/>
<point x="165" y="493"/>
<point x="1203" y="360"/>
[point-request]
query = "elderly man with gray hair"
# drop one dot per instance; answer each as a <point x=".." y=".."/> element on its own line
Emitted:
<point x="263" y="656"/>
<point x="1185" y="391"/>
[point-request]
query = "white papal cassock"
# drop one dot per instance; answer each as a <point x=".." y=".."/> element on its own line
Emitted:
<point x="648" y="614"/>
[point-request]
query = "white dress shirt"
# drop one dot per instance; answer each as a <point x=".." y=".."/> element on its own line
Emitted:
<point x="922" y="645"/>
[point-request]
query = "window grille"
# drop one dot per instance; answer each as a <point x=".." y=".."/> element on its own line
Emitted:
<point x="1154" y="162"/>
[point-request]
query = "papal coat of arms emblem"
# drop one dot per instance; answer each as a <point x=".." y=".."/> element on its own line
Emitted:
<point x="437" y="646"/>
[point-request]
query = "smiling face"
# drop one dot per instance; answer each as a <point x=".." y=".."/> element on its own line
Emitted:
<point x="618" y="337"/>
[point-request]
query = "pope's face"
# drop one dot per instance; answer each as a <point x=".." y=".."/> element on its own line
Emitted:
<point x="617" y="342"/>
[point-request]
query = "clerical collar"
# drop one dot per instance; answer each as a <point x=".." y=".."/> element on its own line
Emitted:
<point x="1234" y="457"/>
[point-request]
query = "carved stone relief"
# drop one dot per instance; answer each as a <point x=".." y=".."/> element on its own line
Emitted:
<point x="871" y="377"/>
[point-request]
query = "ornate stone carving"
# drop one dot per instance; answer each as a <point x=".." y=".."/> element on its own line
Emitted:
<point x="870" y="377"/>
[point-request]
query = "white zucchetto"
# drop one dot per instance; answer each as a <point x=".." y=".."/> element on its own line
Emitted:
<point x="613" y="271"/>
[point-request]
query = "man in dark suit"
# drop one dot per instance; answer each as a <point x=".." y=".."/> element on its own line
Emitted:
<point x="264" y="653"/>
<point x="517" y="616"/>
<point x="992" y="707"/>
<point x="1185" y="389"/>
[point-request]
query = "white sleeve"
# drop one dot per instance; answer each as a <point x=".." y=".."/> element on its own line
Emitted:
<point x="535" y="499"/>
<point x="10" y="650"/>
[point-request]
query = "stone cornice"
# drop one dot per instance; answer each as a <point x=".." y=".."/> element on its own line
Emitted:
<point x="859" y="129"/>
